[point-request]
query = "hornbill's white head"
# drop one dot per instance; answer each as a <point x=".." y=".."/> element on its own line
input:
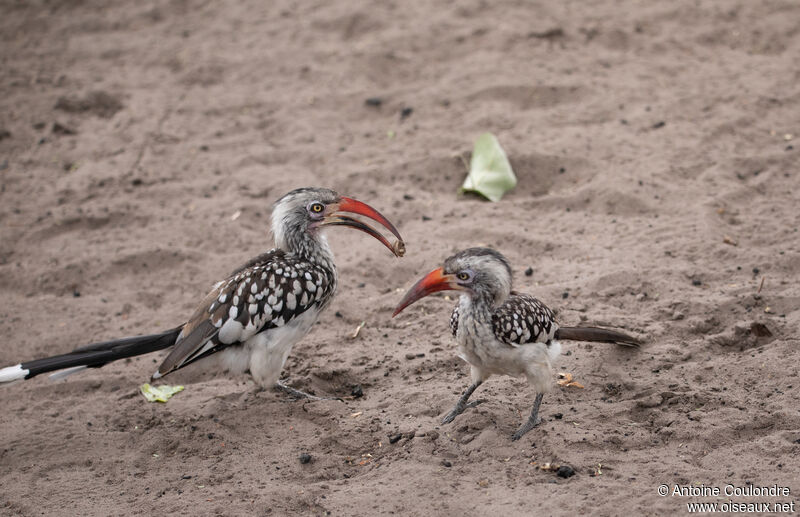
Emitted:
<point x="299" y="217"/>
<point x="478" y="272"/>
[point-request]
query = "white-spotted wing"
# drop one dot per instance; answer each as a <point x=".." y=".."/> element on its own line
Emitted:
<point x="267" y="292"/>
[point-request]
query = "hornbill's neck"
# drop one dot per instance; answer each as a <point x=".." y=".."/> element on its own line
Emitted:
<point x="293" y="235"/>
<point x="313" y="248"/>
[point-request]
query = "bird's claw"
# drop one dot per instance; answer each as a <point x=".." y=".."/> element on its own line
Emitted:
<point x="527" y="426"/>
<point x="299" y="394"/>
<point x="450" y="416"/>
<point x="460" y="408"/>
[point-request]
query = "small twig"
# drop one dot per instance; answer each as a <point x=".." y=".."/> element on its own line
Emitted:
<point x="357" y="330"/>
<point x="761" y="286"/>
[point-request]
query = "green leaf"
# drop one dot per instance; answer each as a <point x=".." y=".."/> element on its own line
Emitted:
<point x="490" y="174"/>
<point x="159" y="393"/>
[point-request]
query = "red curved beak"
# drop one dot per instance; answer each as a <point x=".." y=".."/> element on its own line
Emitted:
<point x="433" y="282"/>
<point x="353" y="206"/>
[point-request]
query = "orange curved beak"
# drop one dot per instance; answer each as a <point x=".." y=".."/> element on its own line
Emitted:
<point x="353" y="206"/>
<point x="433" y="282"/>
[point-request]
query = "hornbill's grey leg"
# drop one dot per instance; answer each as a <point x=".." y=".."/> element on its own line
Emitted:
<point x="294" y="392"/>
<point x="462" y="404"/>
<point x="533" y="420"/>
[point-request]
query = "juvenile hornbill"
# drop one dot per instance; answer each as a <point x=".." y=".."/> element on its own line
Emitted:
<point x="500" y="331"/>
<point x="250" y="320"/>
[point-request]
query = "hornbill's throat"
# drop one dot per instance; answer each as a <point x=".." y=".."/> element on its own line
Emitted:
<point x="433" y="282"/>
<point x="346" y="204"/>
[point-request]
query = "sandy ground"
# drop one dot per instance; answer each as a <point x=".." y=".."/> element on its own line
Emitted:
<point x="656" y="145"/>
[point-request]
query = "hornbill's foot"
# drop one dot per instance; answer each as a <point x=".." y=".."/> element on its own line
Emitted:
<point x="527" y="426"/>
<point x="462" y="404"/>
<point x="299" y="394"/>
<point x="533" y="420"/>
<point x="460" y="408"/>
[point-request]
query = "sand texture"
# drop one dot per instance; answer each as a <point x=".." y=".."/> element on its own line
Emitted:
<point x="142" y="145"/>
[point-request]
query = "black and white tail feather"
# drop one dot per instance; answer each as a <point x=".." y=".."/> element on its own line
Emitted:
<point x="90" y="356"/>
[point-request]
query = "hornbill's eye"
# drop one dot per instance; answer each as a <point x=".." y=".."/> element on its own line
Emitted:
<point x="464" y="276"/>
<point x="316" y="208"/>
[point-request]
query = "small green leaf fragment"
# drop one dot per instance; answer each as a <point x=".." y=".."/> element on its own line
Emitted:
<point x="490" y="173"/>
<point x="159" y="393"/>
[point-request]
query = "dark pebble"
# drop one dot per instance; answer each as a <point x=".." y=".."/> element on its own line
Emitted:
<point x="375" y="102"/>
<point x="136" y="182"/>
<point x="558" y="416"/>
<point x="305" y="458"/>
<point x="338" y="314"/>
<point x="395" y="438"/>
<point x="426" y="218"/>
<point x="565" y="295"/>
<point x="760" y="330"/>
<point x="61" y="129"/>
<point x="406" y="112"/>
<point x="408" y="197"/>
<point x="562" y="170"/>
<point x="76" y="294"/>
<point x="362" y="285"/>
<point x="210" y="436"/>
<point x="565" y="471"/>
<point x="797" y="441"/>
<point x="447" y="463"/>
<point x="204" y="148"/>
<point x="5" y="133"/>
<point x="357" y="391"/>
<point x="421" y="354"/>
<point x="697" y="282"/>
<point x="411" y="356"/>
<point x="186" y="477"/>
<point x="659" y="124"/>
<point x="756" y="271"/>
<point x="529" y="271"/>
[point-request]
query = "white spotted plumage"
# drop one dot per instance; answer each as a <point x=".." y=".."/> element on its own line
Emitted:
<point x="264" y="308"/>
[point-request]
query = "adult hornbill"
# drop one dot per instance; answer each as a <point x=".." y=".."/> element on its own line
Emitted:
<point x="250" y="320"/>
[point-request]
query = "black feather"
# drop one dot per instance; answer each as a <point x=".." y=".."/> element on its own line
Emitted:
<point x="99" y="354"/>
